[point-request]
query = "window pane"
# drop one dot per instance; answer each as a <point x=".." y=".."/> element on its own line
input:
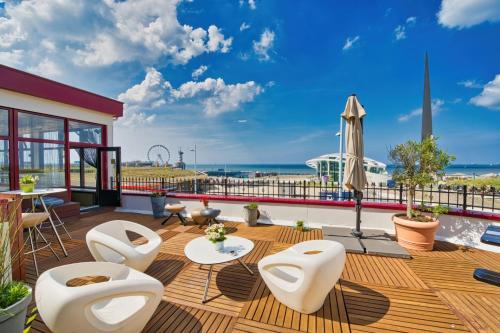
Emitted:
<point x="40" y="127"/>
<point x="4" y="165"/>
<point x="45" y="160"/>
<point x="80" y="159"/>
<point x="82" y="132"/>
<point x="4" y="122"/>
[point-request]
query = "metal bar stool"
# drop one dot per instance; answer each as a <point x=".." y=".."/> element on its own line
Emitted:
<point x="51" y="203"/>
<point x="30" y="222"/>
<point x="175" y="210"/>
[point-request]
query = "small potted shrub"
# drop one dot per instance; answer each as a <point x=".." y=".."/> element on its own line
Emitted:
<point x="417" y="164"/>
<point x="27" y="183"/>
<point x="252" y="214"/>
<point x="205" y="202"/>
<point x="299" y="225"/>
<point x="216" y="233"/>
<point x="158" y="201"/>
<point x="15" y="296"/>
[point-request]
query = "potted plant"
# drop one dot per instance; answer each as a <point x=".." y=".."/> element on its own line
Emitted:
<point x="299" y="225"/>
<point x="27" y="183"/>
<point x="158" y="201"/>
<point x="417" y="164"/>
<point x="15" y="296"/>
<point x="252" y="214"/>
<point x="216" y="233"/>
<point x="205" y="202"/>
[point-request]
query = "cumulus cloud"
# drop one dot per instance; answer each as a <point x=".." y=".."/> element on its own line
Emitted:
<point x="199" y="72"/>
<point x="490" y="96"/>
<point x="264" y="45"/>
<point x="470" y="84"/>
<point x="154" y="93"/>
<point x="467" y="13"/>
<point x="97" y="33"/>
<point x="436" y="106"/>
<point x="244" y="26"/>
<point x="400" y="30"/>
<point x="349" y="43"/>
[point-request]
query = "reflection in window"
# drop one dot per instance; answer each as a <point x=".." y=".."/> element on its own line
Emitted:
<point x="40" y="127"/>
<point x="4" y="122"/>
<point x="4" y="165"/>
<point x="45" y="160"/>
<point x="86" y="133"/>
<point x="83" y="167"/>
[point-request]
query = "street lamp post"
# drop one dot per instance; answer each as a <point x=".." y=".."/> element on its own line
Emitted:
<point x="195" y="170"/>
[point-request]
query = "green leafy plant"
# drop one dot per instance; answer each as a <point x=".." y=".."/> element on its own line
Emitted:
<point x="252" y="206"/>
<point x="10" y="291"/>
<point x="418" y="164"/>
<point x="157" y="194"/>
<point x="29" y="179"/>
<point x="436" y="211"/>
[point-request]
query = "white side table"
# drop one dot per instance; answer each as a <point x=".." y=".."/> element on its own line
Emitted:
<point x="201" y="251"/>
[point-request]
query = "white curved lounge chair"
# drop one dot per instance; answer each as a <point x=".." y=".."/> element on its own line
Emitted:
<point x="109" y="242"/>
<point x="302" y="276"/>
<point x="123" y="304"/>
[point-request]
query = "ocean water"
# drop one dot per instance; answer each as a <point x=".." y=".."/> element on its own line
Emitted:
<point x="302" y="169"/>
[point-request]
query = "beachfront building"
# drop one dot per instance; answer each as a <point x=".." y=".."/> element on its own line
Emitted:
<point x="328" y="166"/>
<point x="59" y="133"/>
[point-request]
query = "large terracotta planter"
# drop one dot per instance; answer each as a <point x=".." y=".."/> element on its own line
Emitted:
<point x="415" y="235"/>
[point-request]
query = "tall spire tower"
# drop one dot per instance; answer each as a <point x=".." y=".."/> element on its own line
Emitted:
<point x="426" y="106"/>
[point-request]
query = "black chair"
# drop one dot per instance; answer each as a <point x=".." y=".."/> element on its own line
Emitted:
<point x="491" y="236"/>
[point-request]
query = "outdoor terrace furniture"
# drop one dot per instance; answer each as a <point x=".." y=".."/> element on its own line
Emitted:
<point x="490" y="236"/>
<point x="51" y="203"/>
<point x="124" y="303"/>
<point x="198" y="218"/>
<point x="201" y="251"/>
<point x="301" y="276"/>
<point x="210" y="214"/>
<point x="31" y="221"/>
<point x="175" y="210"/>
<point x="109" y="242"/>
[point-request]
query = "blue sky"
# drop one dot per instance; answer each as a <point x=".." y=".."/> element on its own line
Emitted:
<point x="265" y="81"/>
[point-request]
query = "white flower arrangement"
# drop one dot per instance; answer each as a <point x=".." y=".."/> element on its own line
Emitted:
<point x="216" y="233"/>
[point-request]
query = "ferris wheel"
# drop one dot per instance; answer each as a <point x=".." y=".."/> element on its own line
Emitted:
<point x="159" y="155"/>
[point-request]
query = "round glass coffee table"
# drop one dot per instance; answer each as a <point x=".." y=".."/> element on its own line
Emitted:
<point x="201" y="251"/>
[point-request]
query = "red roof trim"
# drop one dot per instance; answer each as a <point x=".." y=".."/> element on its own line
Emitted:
<point x="26" y="83"/>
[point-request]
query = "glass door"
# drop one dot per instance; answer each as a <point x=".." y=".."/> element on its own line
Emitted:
<point x="109" y="176"/>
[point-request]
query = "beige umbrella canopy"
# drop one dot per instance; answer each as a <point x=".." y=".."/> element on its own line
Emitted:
<point x="354" y="174"/>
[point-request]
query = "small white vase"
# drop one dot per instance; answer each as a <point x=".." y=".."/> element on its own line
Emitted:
<point x="219" y="246"/>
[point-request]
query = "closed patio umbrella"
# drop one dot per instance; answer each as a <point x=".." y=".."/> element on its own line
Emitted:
<point x="354" y="174"/>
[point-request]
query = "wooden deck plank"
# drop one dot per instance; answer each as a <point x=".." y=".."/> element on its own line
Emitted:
<point x="434" y="292"/>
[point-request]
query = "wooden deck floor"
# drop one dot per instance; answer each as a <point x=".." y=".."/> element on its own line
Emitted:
<point x="433" y="292"/>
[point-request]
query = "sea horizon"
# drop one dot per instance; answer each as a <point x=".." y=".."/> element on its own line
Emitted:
<point x="302" y="169"/>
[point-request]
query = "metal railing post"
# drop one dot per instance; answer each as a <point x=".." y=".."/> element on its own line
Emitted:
<point x="225" y="186"/>
<point x="401" y="194"/>
<point x="464" y="203"/>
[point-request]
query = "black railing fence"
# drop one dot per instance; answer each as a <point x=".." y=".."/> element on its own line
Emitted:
<point x="463" y="197"/>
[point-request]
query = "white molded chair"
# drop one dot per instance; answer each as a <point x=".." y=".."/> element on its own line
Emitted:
<point x="123" y="304"/>
<point x="109" y="242"/>
<point x="302" y="276"/>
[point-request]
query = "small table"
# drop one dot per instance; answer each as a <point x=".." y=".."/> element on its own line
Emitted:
<point x="201" y="251"/>
<point x="210" y="214"/>
<point x="39" y="194"/>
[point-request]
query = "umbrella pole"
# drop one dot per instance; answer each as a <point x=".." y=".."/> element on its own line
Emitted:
<point x="358" y="195"/>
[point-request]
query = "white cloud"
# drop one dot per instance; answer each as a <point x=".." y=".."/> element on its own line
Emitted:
<point x="400" y="30"/>
<point x="46" y="67"/>
<point x="244" y="26"/>
<point x="470" y="84"/>
<point x="436" y="106"/>
<point x="251" y="4"/>
<point x="94" y="33"/>
<point x="490" y="96"/>
<point x="467" y="13"/>
<point x="154" y="92"/>
<point x="242" y="121"/>
<point x="349" y="43"/>
<point x="199" y="72"/>
<point x="264" y="45"/>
